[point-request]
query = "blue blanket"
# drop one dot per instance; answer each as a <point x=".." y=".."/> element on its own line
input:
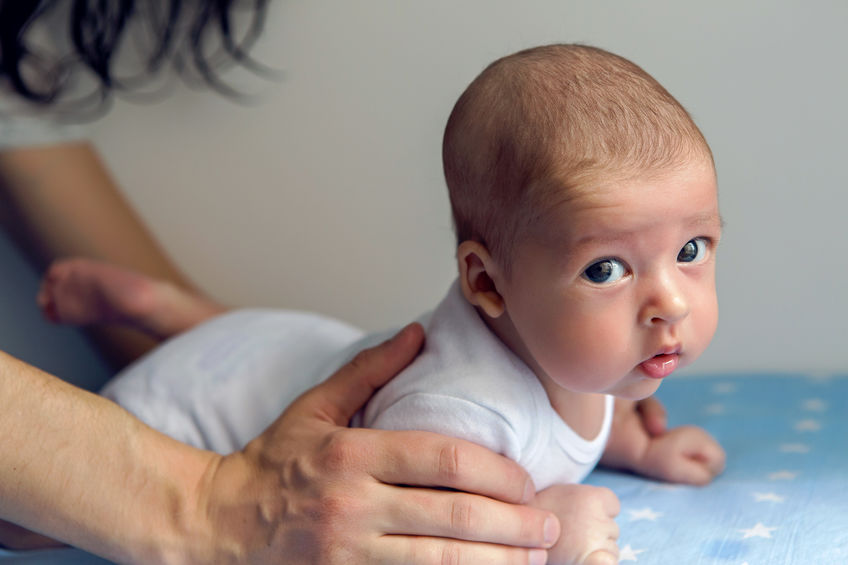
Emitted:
<point x="782" y="499"/>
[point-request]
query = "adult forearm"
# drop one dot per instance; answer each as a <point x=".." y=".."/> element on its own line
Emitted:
<point x="79" y="468"/>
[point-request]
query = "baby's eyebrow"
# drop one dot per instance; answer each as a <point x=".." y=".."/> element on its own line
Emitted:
<point x="605" y="238"/>
<point x="708" y="219"/>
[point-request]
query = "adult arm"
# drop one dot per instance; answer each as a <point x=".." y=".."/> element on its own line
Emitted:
<point x="79" y="468"/>
<point x="60" y="201"/>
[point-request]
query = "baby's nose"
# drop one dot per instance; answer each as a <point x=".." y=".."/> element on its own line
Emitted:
<point x="666" y="304"/>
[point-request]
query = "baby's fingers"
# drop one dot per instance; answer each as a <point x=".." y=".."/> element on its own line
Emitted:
<point x="689" y="472"/>
<point x="686" y="455"/>
<point x="699" y="466"/>
<point x="712" y="456"/>
<point x="602" y="557"/>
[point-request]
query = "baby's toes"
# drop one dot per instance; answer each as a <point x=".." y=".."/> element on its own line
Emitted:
<point x="63" y="296"/>
<point x="48" y="308"/>
<point x="46" y="301"/>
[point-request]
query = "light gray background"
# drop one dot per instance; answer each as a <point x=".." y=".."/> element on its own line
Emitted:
<point x="328" y="194"/>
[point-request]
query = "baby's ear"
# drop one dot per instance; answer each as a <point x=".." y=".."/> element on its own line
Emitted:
<point x="478" y="274"/>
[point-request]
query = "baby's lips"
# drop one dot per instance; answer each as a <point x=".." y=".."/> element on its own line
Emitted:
<point x="660" y="366"/>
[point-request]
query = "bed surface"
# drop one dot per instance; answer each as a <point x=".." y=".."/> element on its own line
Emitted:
<point x="782" y="498"/>
<point x="781" y="501"/>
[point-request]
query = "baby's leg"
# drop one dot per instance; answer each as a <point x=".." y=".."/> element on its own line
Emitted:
<point x="84" y="292"/>
<point x="587" y="518"/>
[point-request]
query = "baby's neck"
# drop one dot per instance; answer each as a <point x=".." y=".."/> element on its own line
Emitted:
<point x="583" y="412"/>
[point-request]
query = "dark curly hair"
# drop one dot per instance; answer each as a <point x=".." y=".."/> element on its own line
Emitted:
<point x="196" y="37"/>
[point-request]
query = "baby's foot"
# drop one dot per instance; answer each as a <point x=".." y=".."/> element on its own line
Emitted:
<point x="587" y="518"/>
<point x="84" y="291"/>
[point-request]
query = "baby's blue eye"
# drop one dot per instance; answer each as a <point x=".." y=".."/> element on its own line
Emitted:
<point x="694" y="251"/>
<point x="605" y="272"/>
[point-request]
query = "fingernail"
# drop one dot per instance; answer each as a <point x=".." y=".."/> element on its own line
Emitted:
<point x="529" y="491"/>
<point x="538" y="557"/>
<point x="551" y="530"/>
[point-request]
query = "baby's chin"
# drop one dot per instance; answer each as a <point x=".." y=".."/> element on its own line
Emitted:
<point x="639" y="389"/>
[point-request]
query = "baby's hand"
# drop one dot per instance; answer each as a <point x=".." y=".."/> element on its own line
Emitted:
<point x="587" y="517"/>
<point x="640" y="442"/>
<point x="686" y="455"/>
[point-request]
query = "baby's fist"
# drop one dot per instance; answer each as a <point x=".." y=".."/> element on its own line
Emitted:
<point x="687" y="455"/>
<point x="587" y="517"/>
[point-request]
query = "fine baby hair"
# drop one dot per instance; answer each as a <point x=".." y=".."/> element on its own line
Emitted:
<point x="551" y="119"/>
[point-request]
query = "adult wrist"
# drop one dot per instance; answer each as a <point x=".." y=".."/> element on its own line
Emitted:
<point x="231" y="517"/>
<point x="175" y="527"/>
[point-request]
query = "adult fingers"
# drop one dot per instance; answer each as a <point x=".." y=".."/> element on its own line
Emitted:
<point x="436" y="551"/>
<point x="441" y="461"/>
<point x="339" y="397"/>
<point x="424" y="512"/>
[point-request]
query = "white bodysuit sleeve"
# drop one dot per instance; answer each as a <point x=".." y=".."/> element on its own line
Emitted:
<point x="456" y="417"/>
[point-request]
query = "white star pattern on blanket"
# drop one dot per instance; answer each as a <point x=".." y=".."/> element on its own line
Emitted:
<point x="768" y="497"/>
<point x="629" y="554"/>
<point x="780" y="499"/>
<point x="795" y="448"/>
<point x="782" y="476"/>
<point x="758" y="531"/>
<point x="807" y="426"/>
<point x="814" y="405"/>
<point x="644" y="514"/>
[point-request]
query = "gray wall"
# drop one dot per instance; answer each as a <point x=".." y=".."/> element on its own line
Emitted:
<point x="328" y="194"/>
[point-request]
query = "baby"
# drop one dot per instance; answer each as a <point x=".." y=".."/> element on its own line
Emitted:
<point x="585" y="205"/>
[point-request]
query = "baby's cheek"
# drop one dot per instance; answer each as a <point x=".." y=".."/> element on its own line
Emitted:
<point x="599" y="351"/>
<point x="704" y="324"/>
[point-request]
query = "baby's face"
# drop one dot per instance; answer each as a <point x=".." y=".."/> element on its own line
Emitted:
<point x="620" y="289"/>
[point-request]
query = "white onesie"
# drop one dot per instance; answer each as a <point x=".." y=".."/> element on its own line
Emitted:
<point x="219" y="385"/>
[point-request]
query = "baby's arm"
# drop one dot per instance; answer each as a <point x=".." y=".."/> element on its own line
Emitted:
<point x="587" y="520"/>
<point x="637" y="443"/>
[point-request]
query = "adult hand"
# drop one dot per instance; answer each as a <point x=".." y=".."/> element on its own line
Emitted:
<point x="311" y="490"/>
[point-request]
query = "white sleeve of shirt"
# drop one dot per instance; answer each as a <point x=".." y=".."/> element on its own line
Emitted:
<point x="452" y="416"/>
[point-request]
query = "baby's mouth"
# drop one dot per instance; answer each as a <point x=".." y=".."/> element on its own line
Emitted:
<point x="661" y="365"/>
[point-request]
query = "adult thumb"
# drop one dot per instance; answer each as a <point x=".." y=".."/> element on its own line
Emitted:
<point x="348" y="389"/>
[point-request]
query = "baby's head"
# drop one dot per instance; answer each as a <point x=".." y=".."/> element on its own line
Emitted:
<point x="573" y="174"/>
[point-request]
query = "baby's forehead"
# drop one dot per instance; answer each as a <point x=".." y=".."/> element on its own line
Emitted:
<point x="593" y="187"/>
<point x="617" y="202"/>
